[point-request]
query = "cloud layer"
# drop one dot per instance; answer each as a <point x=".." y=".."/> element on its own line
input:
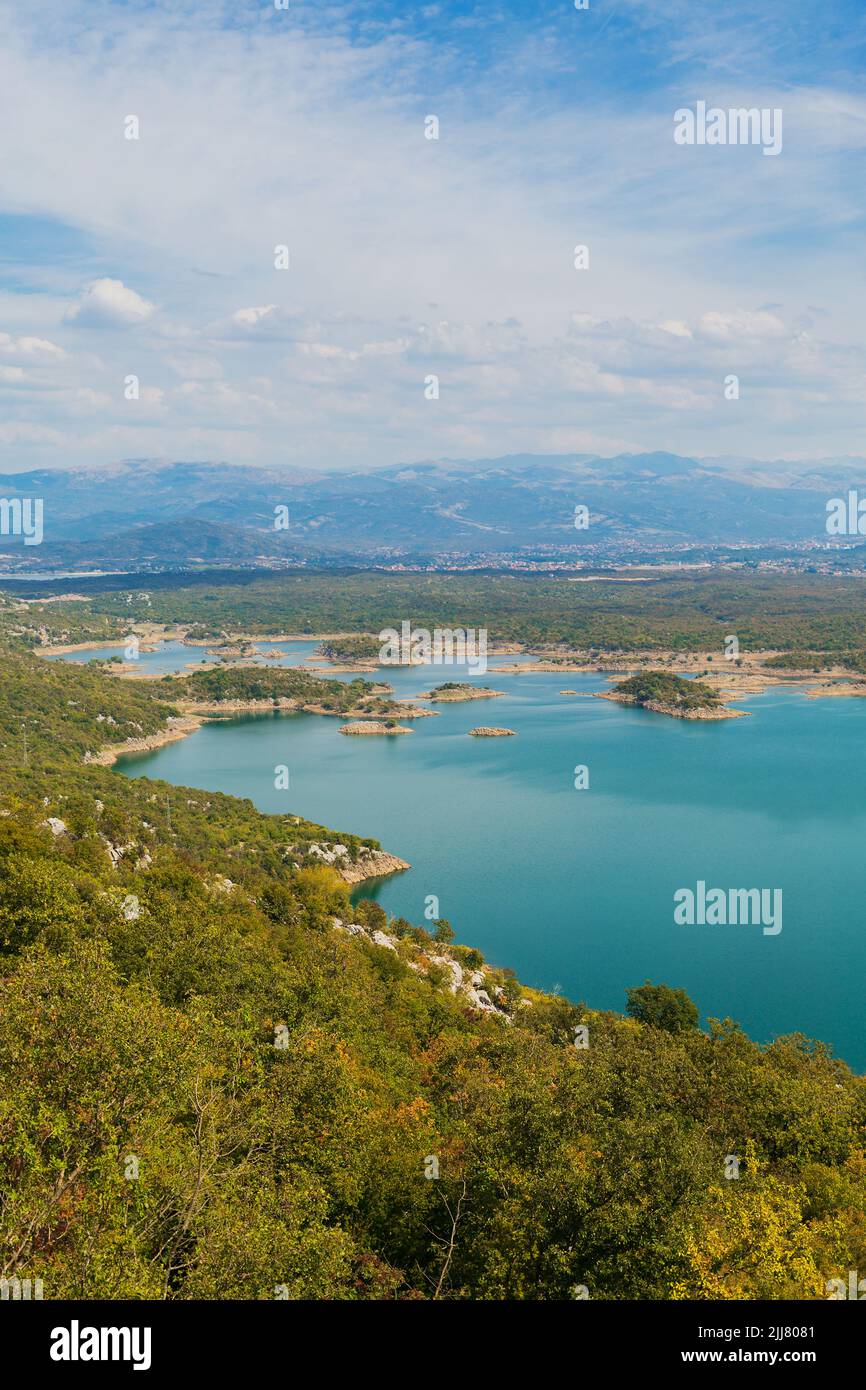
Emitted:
<point x="161" y="256"/>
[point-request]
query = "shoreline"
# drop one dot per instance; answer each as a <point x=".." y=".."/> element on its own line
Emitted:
<point x="750" y="676"/>
<point x="180" y="727"/>
<point x="706" y="713"/>
<point x="378" y="863"/>
<point x="459" y="695"/>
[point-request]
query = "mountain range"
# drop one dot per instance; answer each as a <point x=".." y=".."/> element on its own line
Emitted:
<point x="152" y="513"/>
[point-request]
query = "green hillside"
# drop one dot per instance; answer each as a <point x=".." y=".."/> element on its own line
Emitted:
<point x="210" y="1090"/>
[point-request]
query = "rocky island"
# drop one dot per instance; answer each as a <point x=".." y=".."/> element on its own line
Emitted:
<point x="373" y="726"/>
<point x="484" y="731"/>
<point x="454" y="692"/>
<point x="666" y="694"/>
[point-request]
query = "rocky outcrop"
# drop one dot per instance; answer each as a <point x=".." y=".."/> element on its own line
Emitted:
<point x="483" y="731"/>
<point x="374" y="726"/>
<point x="176" y="727"/>
<point x="675" y="711"/>
<point x="468" y="985"/>
<point x="457" y="694"/>
<point x="332" y="855"/>
<point x="371" y="863"/>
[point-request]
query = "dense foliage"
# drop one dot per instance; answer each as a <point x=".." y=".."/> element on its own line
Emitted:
<point x="256" y="683"/>
<point x="680" y="612"/>
<point x="662" y="688"/>
<point x="49" y="707"/>
<point x="363" y="647"/>
<point x="211" y="1092"/>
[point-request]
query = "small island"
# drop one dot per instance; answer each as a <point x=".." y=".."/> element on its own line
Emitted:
<point x="376" y="726"/>
<point x="484" y="731"/>
<point x="456" y="691"/>
<point x="666" y="694"/>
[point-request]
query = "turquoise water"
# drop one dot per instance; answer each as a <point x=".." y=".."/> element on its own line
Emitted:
<point x="169" y="657"/>
<point x="575" y="888"/>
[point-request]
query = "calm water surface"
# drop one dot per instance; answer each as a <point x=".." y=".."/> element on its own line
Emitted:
<point x="168" y="658"/>
<point x="575" y="888"/>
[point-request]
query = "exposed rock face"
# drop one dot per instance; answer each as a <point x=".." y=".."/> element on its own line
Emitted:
<point x="675" y="712"/>
<point x="374" y="726"/>
<point x="116" y="852"/>
<point x="456" y="694"/>
<point x="176" y="727"/>
<point x="328" y="854"/>
<point x="382" y="939"/>
<point x="467" y="985"/>
<point x="226" y="707"/>
<point x="483" y="731"/>
<point x="371" y="863"/>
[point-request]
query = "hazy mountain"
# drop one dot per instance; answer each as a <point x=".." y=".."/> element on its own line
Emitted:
<point x="149" y="512"/>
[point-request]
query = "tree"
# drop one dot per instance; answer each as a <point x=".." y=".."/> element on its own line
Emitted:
<point x="662" y="1007"/>
<point x="444" y="932"/>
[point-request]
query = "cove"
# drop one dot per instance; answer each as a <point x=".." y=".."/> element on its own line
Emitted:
<point x="574" y="889"/>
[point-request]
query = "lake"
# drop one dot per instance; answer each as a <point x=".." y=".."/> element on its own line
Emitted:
<point x="575" y="889"/>
<point x="168" y="658"/>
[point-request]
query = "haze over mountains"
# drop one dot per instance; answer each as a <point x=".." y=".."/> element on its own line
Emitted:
<point x="153" y="514"/>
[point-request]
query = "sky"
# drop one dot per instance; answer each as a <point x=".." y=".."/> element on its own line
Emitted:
<point x="411" y="258"/>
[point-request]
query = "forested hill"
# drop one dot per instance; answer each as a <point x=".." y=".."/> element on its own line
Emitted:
<point x="212" y="1090"/>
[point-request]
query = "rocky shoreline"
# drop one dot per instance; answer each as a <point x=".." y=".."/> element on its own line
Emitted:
<point x="750" y="674"/>
<point x="458" y="694"/>
<point x="178" y="727"/>
<point x="372" y="863"/>
<point x="675" y="711"/>
<point x="373" y="726"/>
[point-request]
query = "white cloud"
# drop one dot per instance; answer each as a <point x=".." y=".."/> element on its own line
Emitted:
<point x="743" y="324"/>
<point x="110" y="304"/>
<point x="15" y="435"/>
<point x="453" y="256"/>
<point x="193" y="367"/>
<point x="250" y="318"/>
<point x="676" y="328"/>
<point x="28" y="349"/>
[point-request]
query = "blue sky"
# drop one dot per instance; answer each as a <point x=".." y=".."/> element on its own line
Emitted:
<point x="412" y="257"/>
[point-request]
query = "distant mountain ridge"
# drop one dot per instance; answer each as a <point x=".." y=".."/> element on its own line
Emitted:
<point x="153" y="512"/>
